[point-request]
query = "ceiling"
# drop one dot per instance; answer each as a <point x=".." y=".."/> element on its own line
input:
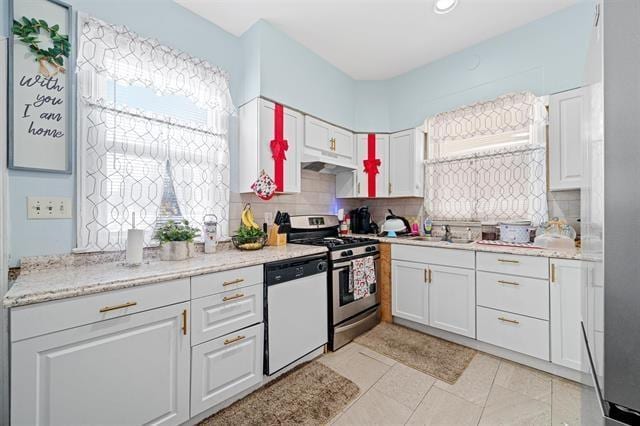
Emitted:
<point x="377" y="39"/>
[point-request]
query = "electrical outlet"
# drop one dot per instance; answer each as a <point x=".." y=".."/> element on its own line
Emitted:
<point x="48" y="208"/>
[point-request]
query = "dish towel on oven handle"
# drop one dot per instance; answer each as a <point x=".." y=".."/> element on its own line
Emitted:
<point x="363" y="274"/>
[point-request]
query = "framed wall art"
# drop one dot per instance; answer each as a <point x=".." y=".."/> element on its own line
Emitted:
<point x="41" y="95"/>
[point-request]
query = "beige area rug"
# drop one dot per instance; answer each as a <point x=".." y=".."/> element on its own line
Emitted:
<point x="436" y="357"/>
<point x="310" y="394"/>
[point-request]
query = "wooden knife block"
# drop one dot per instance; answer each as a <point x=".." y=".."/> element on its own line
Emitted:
<point x="276" y="239"/>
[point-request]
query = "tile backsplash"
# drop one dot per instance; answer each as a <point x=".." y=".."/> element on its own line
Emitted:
<point x="318" y="197"/>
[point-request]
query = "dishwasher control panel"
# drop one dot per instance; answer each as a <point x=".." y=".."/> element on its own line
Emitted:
<point x="293" y="269"/>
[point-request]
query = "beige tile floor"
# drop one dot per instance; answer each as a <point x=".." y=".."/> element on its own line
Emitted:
<point x="491" y="391"/>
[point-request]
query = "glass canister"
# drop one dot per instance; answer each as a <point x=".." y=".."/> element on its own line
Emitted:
<point x="489" y="231"/>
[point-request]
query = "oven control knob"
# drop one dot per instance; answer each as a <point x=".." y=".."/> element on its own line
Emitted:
<point x="350" y="252"/>
<point x="370" y="248"/>
<point x="344" y="254"/>
<point x="322" y="266"/>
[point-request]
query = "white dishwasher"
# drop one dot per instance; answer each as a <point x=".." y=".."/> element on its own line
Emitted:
<point x="295" y="310"/>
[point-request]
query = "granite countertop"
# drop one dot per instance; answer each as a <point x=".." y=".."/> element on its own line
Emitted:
<point x="60" y="283"/>
<point x="524" y="251"/>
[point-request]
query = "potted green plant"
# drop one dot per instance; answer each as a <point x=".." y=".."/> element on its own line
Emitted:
<point x="176" y="240"/>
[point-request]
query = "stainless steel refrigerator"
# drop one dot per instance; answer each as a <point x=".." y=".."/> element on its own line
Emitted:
<point x="611" y="213"/>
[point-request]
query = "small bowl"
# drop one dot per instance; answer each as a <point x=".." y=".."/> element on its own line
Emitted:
<point x="249" y="244"/>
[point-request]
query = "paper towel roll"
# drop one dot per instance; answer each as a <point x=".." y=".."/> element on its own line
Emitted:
<point x="135" y="244"/>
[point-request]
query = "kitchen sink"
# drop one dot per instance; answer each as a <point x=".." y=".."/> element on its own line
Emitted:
<point x="461" y="241"/>
<point x="438" y="239"/>
<point x="425" y="238"/>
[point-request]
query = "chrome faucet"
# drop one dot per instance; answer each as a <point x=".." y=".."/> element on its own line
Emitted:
<point x="446" y="236"/>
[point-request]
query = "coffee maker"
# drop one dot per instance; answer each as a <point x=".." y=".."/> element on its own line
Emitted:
<point x="361" y="222"/>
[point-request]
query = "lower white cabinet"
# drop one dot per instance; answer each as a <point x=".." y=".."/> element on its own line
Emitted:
<point x="226" y="366"/>
<point x="566" y="297"/>
<point x="410" y="294"/>
<point x="439" y="296"/>
<point x="129" y="370"/>
<point x="452" y="299"/>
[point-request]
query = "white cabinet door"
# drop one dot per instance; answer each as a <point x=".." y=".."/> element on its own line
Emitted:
<point x="452" y="299"/>
<point x="256" y="121"/>
<point x="566" y="312"/>
<point x="381" y="153"/>
<point x="293" y="125"/>
<point x="129" y="370"/>
<point x="410" y="291"/>
<point x="405" y="163"/>
<point x="225" y="367"/>
<point x="565" y="140"/>
<point x="326" y="142"/>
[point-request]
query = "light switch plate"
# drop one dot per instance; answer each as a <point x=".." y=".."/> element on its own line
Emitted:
<point x="48" y="208"/>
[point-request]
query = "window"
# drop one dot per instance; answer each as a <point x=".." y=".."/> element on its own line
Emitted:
<point x="487" y="161"/>
<point x="152" y="132"/>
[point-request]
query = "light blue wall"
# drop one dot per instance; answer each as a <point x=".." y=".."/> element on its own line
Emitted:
<point x="545" y="56"/>
<point x="295" y="76"/>
<point x="161" y="19"/>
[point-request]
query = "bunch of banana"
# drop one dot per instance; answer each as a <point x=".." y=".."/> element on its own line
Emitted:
<point x="247" y="218"/>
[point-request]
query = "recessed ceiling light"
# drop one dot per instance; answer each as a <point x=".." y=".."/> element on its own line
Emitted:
<point x="444" y="6"/>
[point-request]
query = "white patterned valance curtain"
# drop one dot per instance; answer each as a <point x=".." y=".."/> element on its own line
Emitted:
<point x="487" y="161"/>
<point x="152" y="136"/>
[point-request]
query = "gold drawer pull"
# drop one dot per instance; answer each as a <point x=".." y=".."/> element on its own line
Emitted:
<point x="509" y="320"/>
<point x="429" y="275"/>
<point x="113" y="308"/>
<point x="507" y="282"/>
<point x="236" y="281"/>
<point x="235" y="339"/>
<point x="426" y="279"/>
<point x="508" y="261"/>
<point x="235" y="296"/>
<point x="553" y="273"/>
<point x="184" y="322"/>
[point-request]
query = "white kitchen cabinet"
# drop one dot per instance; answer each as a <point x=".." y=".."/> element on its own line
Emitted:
<point x="566" y="298"/>
<point x="129" y="370"/>
<point x="256" y="131"/>
<point x="381" y="153"/>
<point x="440" y="296"/>
<point x="452" y="299"/>
<point x="410" y="291"/>
<point x="405" y="163"/>
<point x="328" y="143"/>
<point x="224" y="367"/>
<point x="565" y="140"/>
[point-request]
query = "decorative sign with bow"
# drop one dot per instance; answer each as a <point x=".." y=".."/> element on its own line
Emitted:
<point x="279" y="146"/>
<point x="371" y="164"/>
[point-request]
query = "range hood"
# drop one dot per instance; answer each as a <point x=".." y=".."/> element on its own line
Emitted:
<point x="324" y="167"/>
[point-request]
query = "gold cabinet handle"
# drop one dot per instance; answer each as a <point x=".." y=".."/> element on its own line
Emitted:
<point x="235" y="296"/>
<point x="236" y="281"/>
<point x="429" y="275"/>
<point x="508" y="282"/>
<point x="389" y="187"/>
<point x="553" y="273"/>
<point x="508" y="261"/>
<point x="184" y="322"/>
<point x="122" y="306"/>
<point x="426" y="279"/>
<point x="512" y="321"/>
<point x="358" y="187"/>
<point x="235" y="339"/>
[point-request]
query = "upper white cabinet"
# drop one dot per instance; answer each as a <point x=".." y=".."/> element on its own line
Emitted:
<point x="565" y="140"/>
<point x="326" y="142"/>
<point x="377" y="150"/>
<point x="405" y="163"/>
<point x="566" y="296"/>
<point x="257" y="128"/>
<point x="128" y="370"/>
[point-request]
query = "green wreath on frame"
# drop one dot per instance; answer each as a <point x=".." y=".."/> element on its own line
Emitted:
<point x="28" y="31"/>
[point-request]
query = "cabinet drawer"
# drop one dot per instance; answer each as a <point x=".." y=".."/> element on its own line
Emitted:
<point x="433" y="255"/>
<point x="520" y="295"/>
<point x="526" y="266"/>
<point x="222" y="368"/>
<point x="217" y="282"/>
<point x="34" y="320"/>
<point x="515" y="332"/>
<point x="222" y="313"/>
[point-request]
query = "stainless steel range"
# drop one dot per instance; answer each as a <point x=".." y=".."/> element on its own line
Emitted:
<point x="349" y="316"/>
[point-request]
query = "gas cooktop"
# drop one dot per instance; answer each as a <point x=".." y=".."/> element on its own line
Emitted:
<point x="337" y="243"/>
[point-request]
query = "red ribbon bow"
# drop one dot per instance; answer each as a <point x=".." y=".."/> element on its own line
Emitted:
<point x="371" y="166"/>
<point x="279" y="147"/>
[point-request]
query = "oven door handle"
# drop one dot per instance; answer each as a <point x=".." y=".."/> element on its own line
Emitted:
<point x="346" y="263"/>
